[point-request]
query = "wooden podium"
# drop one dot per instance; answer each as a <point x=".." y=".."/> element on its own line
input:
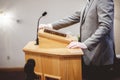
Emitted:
<point x="53" y="60"/>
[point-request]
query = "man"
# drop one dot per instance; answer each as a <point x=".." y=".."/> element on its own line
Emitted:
<point x="96" y="32"/>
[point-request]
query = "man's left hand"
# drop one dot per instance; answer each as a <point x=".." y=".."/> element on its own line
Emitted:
<point x="76" y="44"/>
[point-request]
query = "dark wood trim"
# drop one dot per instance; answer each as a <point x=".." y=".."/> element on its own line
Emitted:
<point x="12" y="69"/>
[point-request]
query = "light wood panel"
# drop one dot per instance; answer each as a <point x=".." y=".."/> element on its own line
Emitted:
<point x="65" y="66"/>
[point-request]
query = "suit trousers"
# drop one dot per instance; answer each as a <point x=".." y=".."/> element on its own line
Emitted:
<point x="96" y="72"/>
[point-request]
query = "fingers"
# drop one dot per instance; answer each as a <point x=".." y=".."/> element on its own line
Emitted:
<point x="73" y="45"/>
<point x="43" y="26"/>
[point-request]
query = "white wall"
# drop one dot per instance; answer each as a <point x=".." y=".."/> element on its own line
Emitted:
<point x="14" y="36"/>
<point x="117" y="26"/>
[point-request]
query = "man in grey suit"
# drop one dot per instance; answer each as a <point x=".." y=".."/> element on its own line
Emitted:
<point x="96" y="31"/>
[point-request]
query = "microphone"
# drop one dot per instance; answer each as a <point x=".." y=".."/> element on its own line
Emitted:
<point x="37" y="39"/>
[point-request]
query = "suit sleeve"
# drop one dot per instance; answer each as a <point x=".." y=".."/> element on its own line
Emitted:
<point x="105" y="9"/>
<point x="75" y="18"/>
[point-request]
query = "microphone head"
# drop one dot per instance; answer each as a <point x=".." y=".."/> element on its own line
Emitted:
<point x="44" y="14"/>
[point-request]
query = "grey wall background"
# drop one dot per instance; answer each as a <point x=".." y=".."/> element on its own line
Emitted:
<point x="15" y="35"/>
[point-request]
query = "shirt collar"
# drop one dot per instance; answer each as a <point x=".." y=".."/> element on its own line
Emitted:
<point x="88" y="1"/>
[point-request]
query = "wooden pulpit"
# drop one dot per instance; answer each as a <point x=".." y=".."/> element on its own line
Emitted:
<point x="53" y="60"/>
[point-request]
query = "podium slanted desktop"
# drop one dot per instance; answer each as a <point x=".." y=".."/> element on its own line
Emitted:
<point x="53" y="60"/>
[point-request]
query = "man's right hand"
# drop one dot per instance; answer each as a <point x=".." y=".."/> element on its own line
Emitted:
<point x="45" y="26"/>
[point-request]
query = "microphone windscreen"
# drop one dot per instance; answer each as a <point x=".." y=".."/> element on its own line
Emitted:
<point x="44" y="13"/>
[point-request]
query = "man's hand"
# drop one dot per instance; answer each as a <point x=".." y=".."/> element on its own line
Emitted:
<point x="76" y="44"/>
<point x="43" y="26"/>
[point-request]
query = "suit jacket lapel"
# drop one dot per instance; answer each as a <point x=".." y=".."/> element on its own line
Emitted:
<point x="86" y="10"/>
<point x="82" y="13"/>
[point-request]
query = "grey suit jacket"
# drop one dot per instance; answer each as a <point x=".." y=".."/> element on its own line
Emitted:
<point x="96" y="30"/>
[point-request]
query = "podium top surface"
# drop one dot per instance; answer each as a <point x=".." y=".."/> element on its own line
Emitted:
<point x="31" y="47"/>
